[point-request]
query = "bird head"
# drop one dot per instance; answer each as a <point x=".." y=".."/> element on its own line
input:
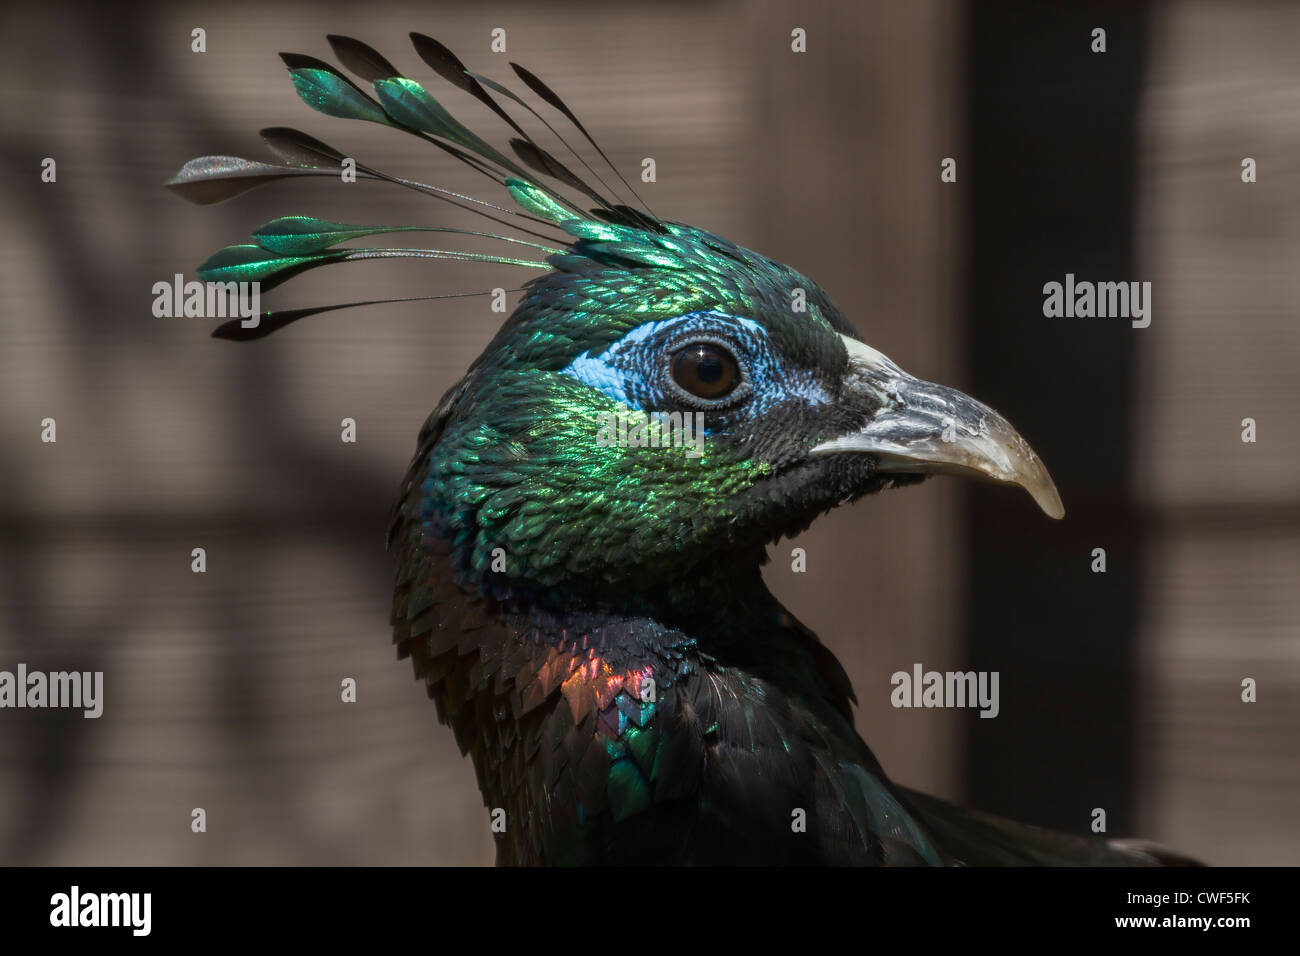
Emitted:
<point x="660" y="395"/>
<point x="664" y="395"/>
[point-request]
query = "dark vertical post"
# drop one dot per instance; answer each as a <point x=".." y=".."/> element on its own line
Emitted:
<point x="1052" y="143"/>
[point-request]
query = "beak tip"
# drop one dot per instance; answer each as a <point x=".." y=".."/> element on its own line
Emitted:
<point x="1049" y="500"/>
<point x="910" y="433"/>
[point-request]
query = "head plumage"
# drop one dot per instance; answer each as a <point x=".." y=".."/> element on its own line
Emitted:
<point x="287" y="246"/>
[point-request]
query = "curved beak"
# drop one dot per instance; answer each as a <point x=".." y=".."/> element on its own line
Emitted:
<point x="924" y="428"/>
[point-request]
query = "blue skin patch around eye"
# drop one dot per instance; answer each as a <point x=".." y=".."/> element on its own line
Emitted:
<point x="629" y="371"/>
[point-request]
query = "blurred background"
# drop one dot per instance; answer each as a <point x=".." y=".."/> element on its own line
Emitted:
<point x="1119" y="691"/>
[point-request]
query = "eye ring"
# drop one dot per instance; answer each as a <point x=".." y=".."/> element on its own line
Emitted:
<point x="706" y="372"/>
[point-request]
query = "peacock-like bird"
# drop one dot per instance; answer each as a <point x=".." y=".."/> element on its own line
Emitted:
<point x="579" y="535"/>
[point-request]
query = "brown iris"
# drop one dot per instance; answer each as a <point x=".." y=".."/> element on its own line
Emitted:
<point x="706" y="370"/>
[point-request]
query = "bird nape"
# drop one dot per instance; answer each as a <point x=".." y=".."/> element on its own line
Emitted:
<point x="580" y="532"/>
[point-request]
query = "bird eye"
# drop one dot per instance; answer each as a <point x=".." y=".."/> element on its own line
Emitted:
<point x="706" y="370"/>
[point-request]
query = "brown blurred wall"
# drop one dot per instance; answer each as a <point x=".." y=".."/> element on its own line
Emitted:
<point x="1222" y="602"/>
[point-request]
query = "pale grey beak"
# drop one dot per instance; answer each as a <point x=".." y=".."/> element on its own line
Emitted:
<point x="924" y="428"/>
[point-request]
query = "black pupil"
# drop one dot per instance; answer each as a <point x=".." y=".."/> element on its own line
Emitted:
<point x="706" y="371"/>
<point x="708" y="366"/>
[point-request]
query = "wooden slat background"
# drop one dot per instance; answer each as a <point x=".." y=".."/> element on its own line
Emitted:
<point x="1222" y="777"/>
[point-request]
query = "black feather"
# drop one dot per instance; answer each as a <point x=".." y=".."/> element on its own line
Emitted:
<point x="540" y="160"/>
<point x="297" y="148"/>
<point x="361" y="59"/>
<point x="535" y="84"/>
<point x="447" y="65"/>
<point x="492" y="84"/>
